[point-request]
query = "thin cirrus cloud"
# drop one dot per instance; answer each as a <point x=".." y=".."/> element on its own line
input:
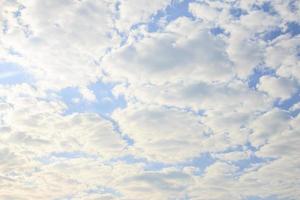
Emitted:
<point x="127" y="99"/>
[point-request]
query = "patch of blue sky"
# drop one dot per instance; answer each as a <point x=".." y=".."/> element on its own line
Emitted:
<point x="237" y="12"/>
<point x="18" y="13"/>
<point x="154" y="24"/>
<point x="272" y="34"/>
<point x="177" y="8"/>
<point x="288" y="103"/>
<point x="248" y="162"/>
<point x="295" y="113"/>
<point x="12" y="74"/>
<point x="128" y="140"/>
<point x="155" y="166"/>
<point x="293" y="28"/>
<point x="250" y="147"/>
<point x="245" y="164"/>
<point x="298" y="51"/>
<point x="266" y="7"/>
<point x="217" y="30"/>
<point x="200" y="163"/>
<point x="258" y="72"/>
<point x="105" y="104"/>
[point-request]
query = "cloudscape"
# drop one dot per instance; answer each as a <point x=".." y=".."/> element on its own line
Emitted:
<point x="150" y="99"/>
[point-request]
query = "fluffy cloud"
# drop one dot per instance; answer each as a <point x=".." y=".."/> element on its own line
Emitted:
<point x="59" y="42"/>
<point x="173" y="54"/>
<point x="200" y="96"/>
<point x="268" y="125"/>
<point x="283" y="55"/>
<point x="133" y="12"/>
<point x="204" y="11"/>
<point x="34" y="123"/>
<point x="278" y="87"/>
<point x="159" y="132"/>
<point x="87" y="94"/>
<point x="207" y="106"/>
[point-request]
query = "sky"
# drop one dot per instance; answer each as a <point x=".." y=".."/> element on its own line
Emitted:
<point x="155" y="100"/>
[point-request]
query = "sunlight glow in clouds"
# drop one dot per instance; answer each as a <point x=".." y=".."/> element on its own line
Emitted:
<point x="150" y="99"/>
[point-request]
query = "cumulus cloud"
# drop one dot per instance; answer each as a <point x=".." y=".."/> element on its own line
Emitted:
<point x="59" y="42"/>
<point x="200" y="96"/>
<point x="268" y="125"/>
<point x="278" y="87"/>
<point x="159" y="132"/>
<point x="283" y="55"/>
<point x="203" y="99"/>
<point x="173" y="53"/>
<point x="133" y="12"/>
<point x="40" y="124"/>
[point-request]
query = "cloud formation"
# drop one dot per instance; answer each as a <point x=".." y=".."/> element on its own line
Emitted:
<point x="136" y="99"/>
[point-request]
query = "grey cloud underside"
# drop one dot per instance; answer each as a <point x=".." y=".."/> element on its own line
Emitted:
<point x="211" y="99"/>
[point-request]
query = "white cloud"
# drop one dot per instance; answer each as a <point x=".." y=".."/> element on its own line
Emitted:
<point x="220" y="169"/>
<point x="288" y="10"/>
<point x="162" y="185"/>
<point x="204" y="11"/>
<point x="171" y="56"/>
<point x="278" y="87"/>
<point x="162" y="134"/>
<point x="268" y="125"/>
<point x="132" y="12"/>
<point x="283" y="55"/>
<point x="39" y="124"/>
<point x="59" y="42"/>
<point x="295" y="107"/>
<point x="200" y="96"/>
<point x="88" y="94"/>
<point x="191" y="126"/>
<point x="234" y="156"/>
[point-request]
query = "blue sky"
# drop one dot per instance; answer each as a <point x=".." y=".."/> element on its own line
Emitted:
<point x="13" y="74"/>
<point x="170" y="99"/>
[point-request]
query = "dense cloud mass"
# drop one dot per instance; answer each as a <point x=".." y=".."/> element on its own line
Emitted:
<point x="150" y="99"/>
